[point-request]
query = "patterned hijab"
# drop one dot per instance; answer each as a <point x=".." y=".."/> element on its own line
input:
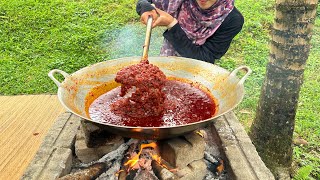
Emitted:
<point x="199" y="24"/>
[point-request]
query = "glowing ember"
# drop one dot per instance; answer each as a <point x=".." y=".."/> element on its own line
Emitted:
<point x="135" y="158"/>
<point x="136" y="161"/>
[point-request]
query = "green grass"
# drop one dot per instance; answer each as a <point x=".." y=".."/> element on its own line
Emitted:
<point x="36" y="37"/>
<point x="308" y="115"/>
<point x="251" y="49"/>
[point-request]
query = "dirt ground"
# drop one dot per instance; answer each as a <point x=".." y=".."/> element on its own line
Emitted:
<point x="24" y="122"/>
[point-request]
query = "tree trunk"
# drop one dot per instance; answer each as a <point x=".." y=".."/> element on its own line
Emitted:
<point x="272" y="129"/>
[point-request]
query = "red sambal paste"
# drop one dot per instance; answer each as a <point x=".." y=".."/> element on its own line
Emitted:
<point x="141" y="89"/>
<point x="183" y="103"/>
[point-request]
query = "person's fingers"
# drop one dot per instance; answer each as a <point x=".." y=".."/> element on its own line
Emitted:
<point x="160" y="18"/>
<point x="154" y="15"/>
<point x="157" y="22"/>
<point x="164" y="18"/>
<point x="144" y="17"/>
<point x="154" y="18"/>
<point x="142" y="20"/>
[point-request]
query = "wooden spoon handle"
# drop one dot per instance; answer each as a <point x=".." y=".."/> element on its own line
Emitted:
<point x="147" y="40"/>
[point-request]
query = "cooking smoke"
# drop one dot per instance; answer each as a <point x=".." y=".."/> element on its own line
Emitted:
<point x="128" y="41"/>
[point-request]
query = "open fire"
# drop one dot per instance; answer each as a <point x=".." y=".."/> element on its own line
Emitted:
<point x="144" y="157"/>
<point x="192" y="156"/>
<point x="70" y="152"/>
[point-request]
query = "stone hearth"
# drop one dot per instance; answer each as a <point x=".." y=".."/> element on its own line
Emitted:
<point x="65" y="144"/>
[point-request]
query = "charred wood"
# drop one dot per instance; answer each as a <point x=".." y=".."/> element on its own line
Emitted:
<point x="91" y="172"/>
<point x="210" y="158"/>
<point x="111" y="173"/>
<point x="113" y="155"/>
<point x="162" y="173"/>
<point x="122" y="175"/>
<point x="145" y="174"/>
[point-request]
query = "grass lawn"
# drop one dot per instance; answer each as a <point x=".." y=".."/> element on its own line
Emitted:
<point x="36" y="37"/>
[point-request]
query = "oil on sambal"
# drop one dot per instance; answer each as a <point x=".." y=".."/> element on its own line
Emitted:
<point x="146" y="98"/>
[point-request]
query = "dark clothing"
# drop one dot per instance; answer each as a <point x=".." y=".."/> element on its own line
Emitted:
<point x="214" y="47"/>
<point x="144" y="6"/>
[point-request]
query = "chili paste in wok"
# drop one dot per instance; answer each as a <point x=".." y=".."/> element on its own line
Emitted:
<point x="141" y="89"/>
<point x="183" y="103"/>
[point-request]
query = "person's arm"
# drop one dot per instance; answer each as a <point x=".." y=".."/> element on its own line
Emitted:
<point x="144" y="6"/>
<point x="215" y="46"/>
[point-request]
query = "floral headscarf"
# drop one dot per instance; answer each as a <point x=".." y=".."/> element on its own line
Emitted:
<point x="197" y="23"/>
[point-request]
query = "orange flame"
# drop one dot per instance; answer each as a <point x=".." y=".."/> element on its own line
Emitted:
<point x="200" y="133"/>
<point x="117" y="173"/>
<point x="135" y="158"/>
<point x="157" y="158"/>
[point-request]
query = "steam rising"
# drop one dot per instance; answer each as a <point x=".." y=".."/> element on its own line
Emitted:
<point x="129" y="40"/>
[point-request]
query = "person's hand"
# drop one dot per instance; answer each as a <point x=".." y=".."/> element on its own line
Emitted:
<point x="164" y="19"/>
<point x="144" y="16"/>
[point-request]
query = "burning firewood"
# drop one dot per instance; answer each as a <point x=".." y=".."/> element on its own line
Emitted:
<point x="113" y="160"/>
<point x="122" y="175"/>
<point x="91" y="172"/>
<point x="220" y="167"/>
<point x="142" y="158"/>
<point x="215" y="165"/>
<point x="162" y="172"/>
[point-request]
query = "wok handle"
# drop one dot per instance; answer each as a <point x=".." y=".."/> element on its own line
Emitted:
<point x="246" y="68"/>
<point x="54" y="71"/>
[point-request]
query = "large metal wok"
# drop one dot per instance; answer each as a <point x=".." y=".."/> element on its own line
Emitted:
<point x="225" y="86"/>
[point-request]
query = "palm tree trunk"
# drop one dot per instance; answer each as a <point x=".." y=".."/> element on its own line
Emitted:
<point x="272" y="129"/>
